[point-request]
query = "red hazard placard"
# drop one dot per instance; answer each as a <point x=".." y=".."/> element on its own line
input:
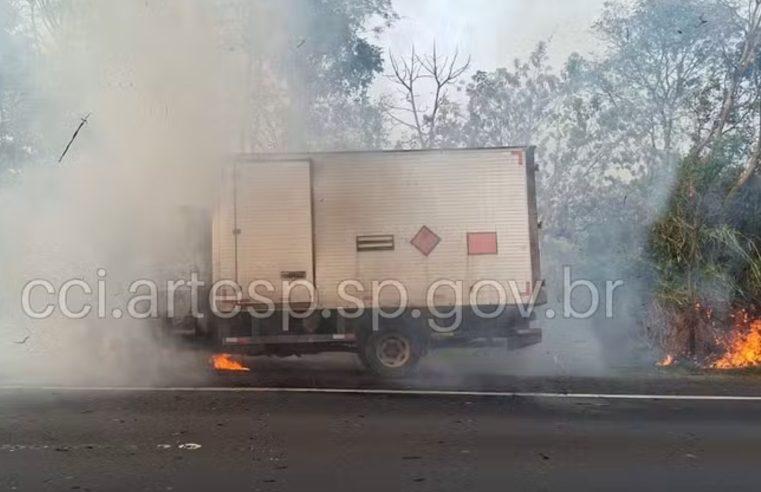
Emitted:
<point x="425" y="241"/>
<point x="482" y="243"/>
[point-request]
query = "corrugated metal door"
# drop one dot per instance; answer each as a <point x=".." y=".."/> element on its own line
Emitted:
<point x="273" y="224"/>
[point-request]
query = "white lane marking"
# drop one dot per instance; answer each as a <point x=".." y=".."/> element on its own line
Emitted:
<point x="190" y="446"/>
<point x="91" y="447"/>
<point x="350" y="391"/>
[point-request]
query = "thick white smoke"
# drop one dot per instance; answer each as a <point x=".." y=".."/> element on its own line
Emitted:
<point x="163" y="92"/>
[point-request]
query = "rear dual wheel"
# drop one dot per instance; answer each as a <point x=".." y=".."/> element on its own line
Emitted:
<point x="391" y="353"/>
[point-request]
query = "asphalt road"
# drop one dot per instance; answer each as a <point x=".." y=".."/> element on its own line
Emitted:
<point x="237" y="439"/>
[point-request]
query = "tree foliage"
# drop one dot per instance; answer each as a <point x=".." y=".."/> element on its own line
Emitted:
<point x="311" y="65"/>
<point x="706" y="245"/>
<point x="16" y="135"/>
<point x="512" y="107"/>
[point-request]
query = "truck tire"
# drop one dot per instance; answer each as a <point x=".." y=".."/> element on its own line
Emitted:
<point x="392" y="353"/>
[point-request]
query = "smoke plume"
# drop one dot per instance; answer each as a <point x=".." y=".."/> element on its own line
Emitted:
<point x="160" y="87"/>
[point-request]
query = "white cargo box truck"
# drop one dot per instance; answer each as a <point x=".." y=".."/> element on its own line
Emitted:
<point x="386" y="254"/>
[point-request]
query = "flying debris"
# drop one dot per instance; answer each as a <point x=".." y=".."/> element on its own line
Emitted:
<point x="82" y="123"/>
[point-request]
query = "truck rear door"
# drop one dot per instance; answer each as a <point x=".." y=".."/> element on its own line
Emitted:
<point x="272" y="227"/>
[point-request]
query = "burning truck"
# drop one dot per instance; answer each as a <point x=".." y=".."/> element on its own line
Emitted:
<point x="384" y="254"/>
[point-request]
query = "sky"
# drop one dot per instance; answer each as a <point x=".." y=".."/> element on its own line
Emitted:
<point x="494" y="32"/>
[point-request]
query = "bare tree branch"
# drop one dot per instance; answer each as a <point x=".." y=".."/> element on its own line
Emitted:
<point x="751" y="166"/>
<point x="408" y="73"/>
<point x="750" y="169"/>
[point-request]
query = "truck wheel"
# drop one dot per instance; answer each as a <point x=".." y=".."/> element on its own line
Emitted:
<point x="390" y="353"/>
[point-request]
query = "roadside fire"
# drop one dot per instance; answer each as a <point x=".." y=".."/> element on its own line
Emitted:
<point x="744" y="345"/>
<point x="717" y="346"/>
<point x="226" y="362"/>
<point x="667" y="361"/>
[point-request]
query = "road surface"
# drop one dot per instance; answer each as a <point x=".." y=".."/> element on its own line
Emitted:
<point x="238" y="438"/>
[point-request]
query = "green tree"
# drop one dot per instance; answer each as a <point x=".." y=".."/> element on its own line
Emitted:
<point x="660" y="56"/>
<point x="706" y="245"/>
<point x="512" y="107"/>
<point x="310" y="67"/>
<point x="16" y="139"/>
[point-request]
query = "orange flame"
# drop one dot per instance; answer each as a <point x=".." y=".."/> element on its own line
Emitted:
<point x="667" y="361"/>
<point x="744" y="348"/>
<point x="226" y="362"/>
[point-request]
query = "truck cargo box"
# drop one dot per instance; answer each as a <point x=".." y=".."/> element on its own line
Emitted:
<point x="442" y="243"/>
<point x="416" y="217"/>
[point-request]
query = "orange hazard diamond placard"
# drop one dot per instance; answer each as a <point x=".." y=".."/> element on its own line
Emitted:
<point x="425" y="241"/>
